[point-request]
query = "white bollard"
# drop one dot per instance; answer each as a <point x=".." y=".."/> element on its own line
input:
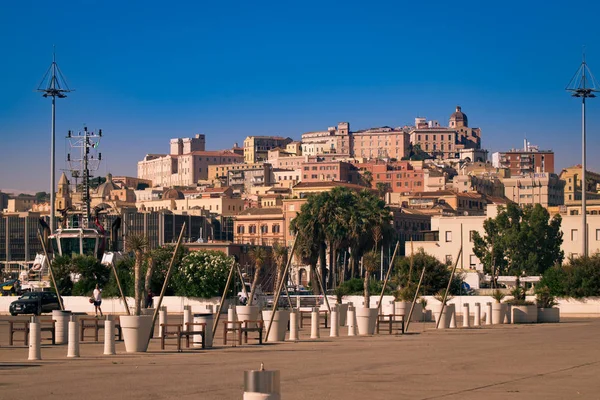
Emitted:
<point x="488" y="313"/>
<point x="109" y="336"/>
<point x="35" y="337"/>
<point x="298" y="302"/>
<point x="335" y="324"/>
<point x="294" y="325"/>
<point x="231" y="317"/>
<point x="350" y="304"/>
<point x="262" y="385"/>
<point x="507" y="313"/>
<point x="187" y="316"/>
<point x="314" y="323"/>
<point x="73" y="349"/>
<point x="466" y="321"/>
<point x="351" y="321"/>
<point x="453" y="316"/>
<point x="162" y="319"/>
<point x="477" y="320"/>
<point x="62" y="325"/>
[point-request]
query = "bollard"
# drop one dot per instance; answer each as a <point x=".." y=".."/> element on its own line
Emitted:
<point x="334" y="330"/>
<point x="351" y="321"/>
<point x="298" y="302"/>
<point x="507" y="313"/>
<point x="477" y="320"/>
<point x="35" y="351"/>
<point x="488" y="313"/>
<point x="73" y="349"/>
<point x="314" y="323"/>
<point x="62" y="325"/>
<point x="109" y="336"/>
<point x="466" y="322"/>
<point x="452" y="315"/>
<point x="262" y="385"/>
<point x="350" y="304"/>
<point x="231" y="317"/>
<point x="187" y="316"/>
<point x="207" y="318"/>
<point x="294" y="325"/>
<point x="162" y="319"/>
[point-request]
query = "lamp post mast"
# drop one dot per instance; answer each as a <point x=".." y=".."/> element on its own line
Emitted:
<point x="53" y="85"/>
<point x="583" y="85"/>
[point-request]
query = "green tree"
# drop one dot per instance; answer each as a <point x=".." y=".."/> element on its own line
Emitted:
<point x="203" y="274"/>
<point x="280" y="256"/>
<point x="436" y="275"/>
<point x="62" y="269"/>
<point x="41" y="197"/>
<point x="138" y="245"/>
<point x="578" y="277"/>
<point x="383" y="188"/>
<point x="520" y="241"/>
<point x="91" y="273"/>
<point x="259" y="255"/>
<point x="370" y="262"/>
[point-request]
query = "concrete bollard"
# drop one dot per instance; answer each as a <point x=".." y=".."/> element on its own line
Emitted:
<point x="187" y="316"/>
<point x="466" y="317"/>
<point x="35" y="337"/>
<point x="334" y="331"/>
<point x="350" y="304"/>
<point x="452" y="316"/>
<point x="231" y="317"/>
<point x="477" y="320"/>
<point x="208" y="319"/>
<point x="488" y="313"/>
<point x="109" y="336"/>
<point x="162" y="319"/>
<point x="73" y="349"/>
<point x="294" y="325"/>
<point x="62" y="325"/>
<point x="298" y="302"/>
<point x="262" y="385"/>
<point x="351" y="321"/>
<point x="314" y="323"/>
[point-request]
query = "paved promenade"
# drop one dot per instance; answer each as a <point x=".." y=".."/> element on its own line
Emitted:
<point x="552" y="361"/>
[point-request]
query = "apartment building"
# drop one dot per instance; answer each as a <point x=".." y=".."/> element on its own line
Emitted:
<point x="256" y="148"/>
<point x="525" y="161"/>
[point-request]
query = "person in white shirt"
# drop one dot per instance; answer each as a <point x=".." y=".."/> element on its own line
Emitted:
<point x="97" y="296"/>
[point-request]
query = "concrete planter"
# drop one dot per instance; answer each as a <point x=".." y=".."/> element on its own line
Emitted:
<point x="366" y="319"/>
<point x="403" y="308"/>
<point x="342" y="313"/>
<point x="427" y="316"/>
<point x="279" y="326"/>
<point x="417" y="315"/>
<point x="446" y="317"/>
<point x="247" y="313"/>
<point x="136" y="331"/>
<point x="498" y="311"/>
<point x="388" y="308"/>
<point x="524" y="314"/>
<point x="548" y="315"/>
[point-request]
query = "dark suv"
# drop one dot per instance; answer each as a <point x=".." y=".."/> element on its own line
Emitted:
<point x="35" y="303"/>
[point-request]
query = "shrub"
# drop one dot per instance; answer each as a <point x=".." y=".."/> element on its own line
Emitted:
<point x="91" y="272"/>
<point x="577" y="278"/>
<point x="544" y="299"/>
<point x="203" y="274"/>
<point x="498" y="296"/>
<point x="436" y="274"/>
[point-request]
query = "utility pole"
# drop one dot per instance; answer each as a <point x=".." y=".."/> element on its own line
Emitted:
<point x="53" y="85"/>
<point x="583" y="85"/>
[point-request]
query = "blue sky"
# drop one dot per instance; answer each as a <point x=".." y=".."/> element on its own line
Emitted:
<point x="147" y="71"/>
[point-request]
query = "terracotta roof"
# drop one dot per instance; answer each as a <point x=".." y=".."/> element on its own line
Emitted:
<point x="497" y="200"/>
<point x="328" y="184"/>
<point x="216" y="189"/>
<point x="213" y="153"/>
<point x="262" y="211"/>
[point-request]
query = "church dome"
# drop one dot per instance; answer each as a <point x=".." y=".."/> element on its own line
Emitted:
<point x="458" y="118"/>
<point x="104" y="189"/>
<point x="172" y="194"/>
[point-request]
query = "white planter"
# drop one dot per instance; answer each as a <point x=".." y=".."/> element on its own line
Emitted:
<point x="446" y="317"/>
<point x="366" y="319"/>
<point x="498" y="310"/>
<point x="279" y="326"/>
<point x="136" y="332"/>
<point x="247" y="313"/>
<point x="403" y="308"/>
<point x="427" y="316"/>
<point x="548" y="315"/>
<point x="524" y="314"/>
<point x="387" y="309"/>
<point x="417" y="315"/>
<point x="342" y="312"/>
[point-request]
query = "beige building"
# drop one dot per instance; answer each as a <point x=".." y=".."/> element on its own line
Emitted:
<point x="256" y="148"/>
<point x="572" y="178"/>
<point x="336" y="139"/>
<point x="175" y="201"/>
<point x="260" y="226"/>
<point x="384" y="142"/>
<point x="219" y="173"/>
<point x="286" y="177"/>
<point x="541" y="188"/>
<point x="282" y="159"/>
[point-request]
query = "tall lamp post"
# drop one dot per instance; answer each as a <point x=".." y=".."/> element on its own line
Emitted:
<point x="53" y="85"/>
<point x="583" y="85"/>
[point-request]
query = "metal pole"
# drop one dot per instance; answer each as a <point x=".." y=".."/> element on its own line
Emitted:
<point x="412" y="307"/>
<point x="60" y="303"/>
<point x="387" y="276"/>
<point x="223" y="299"/>
<point x="448" y="288"/>
<point x="52" y="165"/>
<point x="583" y="182"/>
<point x="164" y="288"/>
<point x="278" y="292"/>
<point x="323" y="291"/>
<point x="237" y="266"/>
<point x="120" y="288"/>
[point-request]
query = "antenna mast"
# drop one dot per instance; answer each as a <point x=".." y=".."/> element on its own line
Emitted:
<point x="86" y="144"/>
<point x="53" y="85"/>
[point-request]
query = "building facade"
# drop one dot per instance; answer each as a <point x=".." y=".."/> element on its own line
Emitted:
<point x="256" y="148"/>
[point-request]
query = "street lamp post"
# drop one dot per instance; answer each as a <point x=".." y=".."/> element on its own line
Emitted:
<point x="583" y="85"/>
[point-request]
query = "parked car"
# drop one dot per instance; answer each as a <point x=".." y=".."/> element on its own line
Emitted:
<point x="35" y="303"/>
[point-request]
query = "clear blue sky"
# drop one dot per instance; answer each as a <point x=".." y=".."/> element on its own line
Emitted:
<point x="148" y="71"/>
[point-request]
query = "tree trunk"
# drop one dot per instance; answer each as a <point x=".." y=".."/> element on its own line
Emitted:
<point x="323" y="264"/>
<point x="313" y="280"/>
<point x="137" y="281"/>
<point x="278" y="277"/>
<point x="254" y="283"/>
<point x="148" y="279"/>
<point x="367" y="293"/>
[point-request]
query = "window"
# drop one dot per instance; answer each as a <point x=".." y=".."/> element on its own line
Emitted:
<point x="276" y="229"/>
<point x="471" y="235"/>
<point x="252" y="229"/>
<point x="597" y="234"/>
<point x="573" y="235"/>
<point x="264" y="229"/>
<point x="240" y="229"/>
<point x="448" y="236"/>
<point x="473" y="261"/>
<point x="449" y="259"/>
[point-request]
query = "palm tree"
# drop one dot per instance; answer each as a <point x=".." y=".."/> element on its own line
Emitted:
<point x="138" y="244"/>
<point x="258" y="254"/>
<point x="370" y="261"/>
<point x="280" y="254"/>
<point x="368" y="177"/>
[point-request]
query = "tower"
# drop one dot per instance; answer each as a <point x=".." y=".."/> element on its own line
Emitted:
<point x="63" y="197"/>
<point x="458" y="119"/>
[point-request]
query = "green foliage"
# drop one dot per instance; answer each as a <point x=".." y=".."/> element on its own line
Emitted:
<point x="415" y="153"/>
<point x="406" y="293"/>
<point x="577" y="278"/>
<point x="519" y="240"/>
<point x="340" y="292"/>
<point x="62" y="268"/>
<point x="436" y="275"/>
<point x="355" y="287"/>
<point x="41" y="197"/>
<point x="124" y="270"/>
<point x="203" y="274"/>
<point x="544" y="298"/>
<point x="161" y="257"/>
<point x="498" y="296"/>
<point x="439" y="296"/>
<point x="91" y="273"/>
